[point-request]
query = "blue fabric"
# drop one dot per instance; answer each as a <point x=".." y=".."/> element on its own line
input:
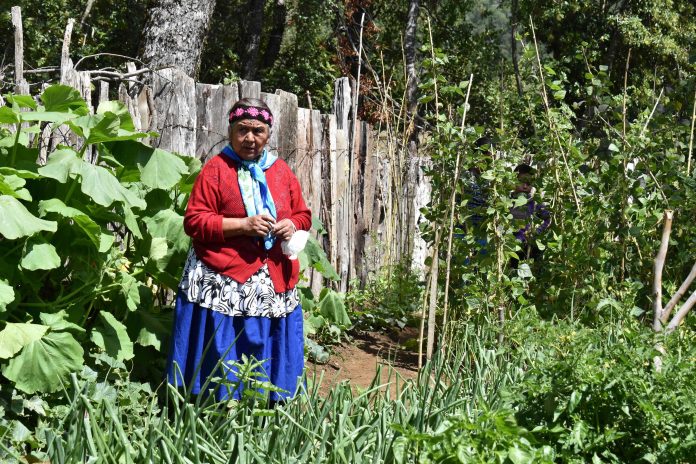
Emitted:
<point x="255" y="193"/>
<point x="202" y="337"/>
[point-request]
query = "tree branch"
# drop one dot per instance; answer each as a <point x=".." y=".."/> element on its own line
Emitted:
<point x="658" y="267"/>
<point x="678" y="295"/>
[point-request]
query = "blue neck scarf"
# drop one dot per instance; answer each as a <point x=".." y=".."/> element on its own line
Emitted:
<point x="252" y="184"/>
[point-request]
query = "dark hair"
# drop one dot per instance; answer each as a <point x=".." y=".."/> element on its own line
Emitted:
<point x="524" y="168"/>
<point x="250" y="102"/>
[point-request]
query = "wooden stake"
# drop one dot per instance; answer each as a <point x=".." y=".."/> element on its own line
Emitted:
<point x="658" y="267"/>
<point x="451" y="221"/>
<point x="691" y="139"/>
<point x="21" y="85"/>
<point x="65" y="63"/>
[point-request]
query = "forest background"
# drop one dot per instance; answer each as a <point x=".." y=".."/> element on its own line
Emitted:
<point x="562" y="358"/>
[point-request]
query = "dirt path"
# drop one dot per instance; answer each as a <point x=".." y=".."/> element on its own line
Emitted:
<point x="358" y="360"/>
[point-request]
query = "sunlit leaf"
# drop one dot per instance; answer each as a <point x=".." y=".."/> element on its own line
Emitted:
<point x="63" y="98"/>
<point x="44" y="364"/>
<point x="111" y="336"/>
<point x="7" y="294"/>
<point x="16" y="221"/>
<point x="40" y="256"/>
<point x="15" y="336"/>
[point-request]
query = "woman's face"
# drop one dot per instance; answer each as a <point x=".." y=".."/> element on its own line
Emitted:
<point x="248" y="137"/>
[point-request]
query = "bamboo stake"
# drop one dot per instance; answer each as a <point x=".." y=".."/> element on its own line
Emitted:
<point x="658" y="267"/>
<point x="678" y="295"/>
<point x="432" y="306"/>
<point x="451" y="219"/>
<point x="552" y="126"/>
<point x="691" y="139"/>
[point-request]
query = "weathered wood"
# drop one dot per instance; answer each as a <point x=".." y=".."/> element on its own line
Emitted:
<point x="175" y="107"/>
<point x="275" y="103"/>
<point x="285" y="125"/>
<point x="249" y="89"/>
<point x="330" y="188"/>
<point x="103" y="91"/>
<point x="343" y="208"/>
<point x="66" y="64"/>
<point x="213" y="103"/>
<point x="21" y="85"/>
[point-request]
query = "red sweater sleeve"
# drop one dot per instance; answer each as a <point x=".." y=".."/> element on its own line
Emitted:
<point x="203" y="221"/>
<point x="301" y="215"/>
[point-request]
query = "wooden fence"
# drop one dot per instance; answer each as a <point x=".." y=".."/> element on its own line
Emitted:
<point x="364" y="190"/>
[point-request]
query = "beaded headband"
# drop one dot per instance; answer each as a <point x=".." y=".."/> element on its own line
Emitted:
<point x="251" y="112"/>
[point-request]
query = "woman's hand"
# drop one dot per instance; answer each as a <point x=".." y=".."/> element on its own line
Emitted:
<point x="259" y="225"/>
<point x="284" y="229"/>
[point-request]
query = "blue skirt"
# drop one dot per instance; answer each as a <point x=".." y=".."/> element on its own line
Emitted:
<point x="204" y="341"/>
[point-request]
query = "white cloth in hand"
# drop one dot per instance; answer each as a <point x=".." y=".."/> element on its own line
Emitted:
<point x="291" y="248"/>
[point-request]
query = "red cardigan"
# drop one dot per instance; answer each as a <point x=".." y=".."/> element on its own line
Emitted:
<point x="216" y="195"/>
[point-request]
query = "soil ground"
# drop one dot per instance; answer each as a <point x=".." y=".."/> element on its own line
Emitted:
<point x="358" y="360"/>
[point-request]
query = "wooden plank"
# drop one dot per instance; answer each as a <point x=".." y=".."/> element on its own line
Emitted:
<point x="249" y="89"/>
<point x="213" y="103"/>
<point x="343" y="208"/>
<point x="274" y="103"/>
<point x="103" y="92"/>
<point x="175" y="109"/>
<point x="329" y="191"/>
<point x="285" y="126"/>
<point x="342" y="103"/>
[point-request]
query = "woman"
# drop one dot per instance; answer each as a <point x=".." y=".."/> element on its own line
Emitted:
<point x="237" y="296"/>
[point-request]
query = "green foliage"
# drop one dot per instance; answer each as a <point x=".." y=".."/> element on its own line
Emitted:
<point x="389" y="300"/>
<point x="74" y="255"/>
<point x="594" y="394"/>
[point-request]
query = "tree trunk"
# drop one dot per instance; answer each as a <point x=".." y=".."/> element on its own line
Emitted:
<point x="253" y="36"/>
<point x="175" y="32"/>
<point x="276" y="36"/>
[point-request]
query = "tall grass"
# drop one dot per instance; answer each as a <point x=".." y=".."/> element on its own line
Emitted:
<point x="342" y="426"/>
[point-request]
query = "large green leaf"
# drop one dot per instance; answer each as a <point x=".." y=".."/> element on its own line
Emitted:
<point x="16" y="221"/>
<point x="43" y="364"/>
<point x="14" y="337"/>
<point x="7" y="294"/>
<point x="156" y="168"/>
<point x="48" y="116"/>
<point x="130" y="289"/>
<point x="14" y="186"/>
<point x="99" y="184"/>
<point x="64" y="99"/>
<point x="84" y="222"/>
<point x="57" y="322"/>
<point x="170" y="225"/>
<point x="313" y="256"/>
<point x="96" y="127"/>
<point x="22" y="101"/>
<point x="8" y="115"/>
<point x="332" y="307"/>
<point x="111" y="336"/>
<point x="163" y="170"/>
<point x="119" y="109"/>
<point x="61" y="164"/>
<point x="40" y="256"/>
